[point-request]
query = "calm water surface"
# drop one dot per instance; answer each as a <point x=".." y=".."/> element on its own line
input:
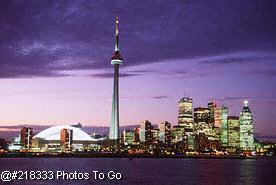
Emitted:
<point x="152" y="171"/>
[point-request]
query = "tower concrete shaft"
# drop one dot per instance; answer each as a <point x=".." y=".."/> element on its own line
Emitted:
<point x="114" y="126"/>
<point x="116" y="60"/>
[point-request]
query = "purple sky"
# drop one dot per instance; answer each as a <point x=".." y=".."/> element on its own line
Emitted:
<point x="55" y="59"/>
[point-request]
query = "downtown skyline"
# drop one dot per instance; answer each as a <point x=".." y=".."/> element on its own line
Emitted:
<point x="55" y="60"/>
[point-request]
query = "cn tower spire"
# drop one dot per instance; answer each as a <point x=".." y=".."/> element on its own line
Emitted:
<point x="117" y="34"/>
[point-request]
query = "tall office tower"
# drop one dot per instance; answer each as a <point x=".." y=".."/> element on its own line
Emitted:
<point x="212" y="106"/>
<point x="220" y="125"/>
<point x="246" y="129"/>
<point x="177" y="134"/>
<point x="66" y="139"/>
<point x="185" y="113"/>
<point x="136" y="135"/>
<point x="217" y="117"/>
<point x="217" y="123"/>
<point x="233" y="132"/>
<point x="201" y="121"/>
<point x="185" y="119"/>
<point x="116" y="60"/>
<point x="165" y="133"/>
<point x="224" y="127"/>
<point x="128" y="137"/>
<point x="26" y="135"/>
<point x="155" y="135"/>
<point x="146" y="132"/>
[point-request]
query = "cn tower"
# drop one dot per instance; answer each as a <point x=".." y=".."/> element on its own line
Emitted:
<point x="116" y="60"/>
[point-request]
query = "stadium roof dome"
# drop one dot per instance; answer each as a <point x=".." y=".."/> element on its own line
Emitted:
<point x="53" y="133"/>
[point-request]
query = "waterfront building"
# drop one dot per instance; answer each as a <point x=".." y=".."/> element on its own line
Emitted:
<point x="185" y="119"/>
<point x="217" y="123"/>
<point x="220" y="124"/>
<point x="246" y="129"/>
<point x="177" y="134"/>
<point x="26" y="135"/>
<point x="212" y="106"/>
<point x="185" y="113"/>
<point x="217" y="117"/>
<point x="146" y="132"/>
<point x="155" y="135"/>
<point x="223" y="128"/>
<point x="165" y="133"/>
<point x="3" y="144"/>
<point x="128" y="137"/>
<point x="116" y="60"/>
<point x="50" y="139"/>
<point x="136" y="135"/>
<point x="202" y="143"/>
<point x="233" y="133"/>
<point x="66" y="139"/>
<point x="201" y="120"/>
<point x="179" y="139"/>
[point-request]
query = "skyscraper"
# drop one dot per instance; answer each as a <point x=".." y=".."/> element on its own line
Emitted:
<point x="246" y="129"/>
<point x="212" y="106"/>
<point x="223" y="128"/>
<point x="165" y="132"/>
<point x="128" y="137"/>
<point x="185" y="119"/>
<point x="146" y="132"/>
<point x="201" y="120"/>
<point x="116" y="60"/>
<point x="185" y="113"/>
<point x="233" y="132"/>
<point x="220" y="124"/>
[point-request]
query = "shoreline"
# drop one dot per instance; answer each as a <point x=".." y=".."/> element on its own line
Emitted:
<point x="126" y="156"/>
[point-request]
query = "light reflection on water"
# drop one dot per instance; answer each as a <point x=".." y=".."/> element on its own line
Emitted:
<point x="153" y="171"/>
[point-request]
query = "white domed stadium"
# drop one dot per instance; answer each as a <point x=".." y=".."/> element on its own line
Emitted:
<point x="50" y="138"/>
<point x="53" y="134"/>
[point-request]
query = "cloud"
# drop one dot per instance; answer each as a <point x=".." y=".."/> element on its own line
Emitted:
<point x="42" y="38"/>
<point x="267" y="72"/>
<point x="238" y="58"/>
<point x="111" y="75"/>
<point x="160" y="97"/>
<point x="260" y="97"/>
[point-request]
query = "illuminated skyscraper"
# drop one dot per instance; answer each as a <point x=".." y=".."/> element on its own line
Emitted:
<point x="155" y="135"/>
<point x="246" y="129"/>
<point x="223" y="128"/>
<point x="116" y="60"/>
<point x="212" y="106"/>
<point x="201" y="120"/>
<point x="220" y="124"/>
<point x="185" y="119"/>
<point x="177" y="134"/>
<point x="185" y="113"/>
<point x="217" y="123"/>
<point x="136" y="135"/>
<point x="146" y="132"/>
<point x="233" y="132"/>
<point x="128" y="137"/>
<point x="165" y="132"/>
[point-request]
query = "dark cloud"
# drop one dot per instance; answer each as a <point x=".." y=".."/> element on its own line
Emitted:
<point x="160" y="97"/>
<point x="111" y="75"/>
<point x="268" y="72"/>
<point x="42" y="38"/>
<point x="233" y="98"/>
<point x="238" y="58"/>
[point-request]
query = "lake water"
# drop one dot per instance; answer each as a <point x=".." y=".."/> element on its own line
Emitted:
<point x="149" y="171"/>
